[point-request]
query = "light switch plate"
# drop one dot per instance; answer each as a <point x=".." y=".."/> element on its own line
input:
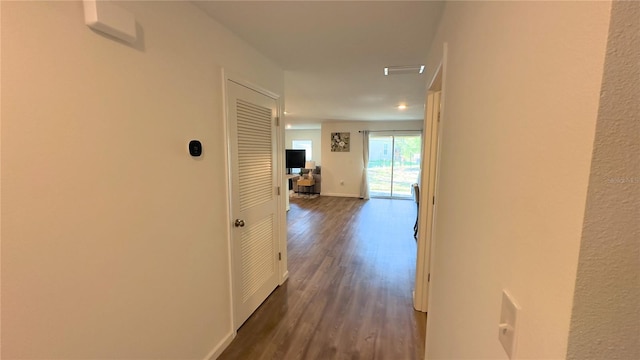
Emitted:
<point x="507" y="328"/>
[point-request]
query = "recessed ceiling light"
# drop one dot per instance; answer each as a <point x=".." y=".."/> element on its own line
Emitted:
<point x="285" y="113"/>
<point x="402" y="106"/>
<point x="288" y="126"/>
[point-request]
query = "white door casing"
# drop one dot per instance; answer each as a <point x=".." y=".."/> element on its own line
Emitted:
<point x="254" y="199"/>
<point x="428" y="192"/>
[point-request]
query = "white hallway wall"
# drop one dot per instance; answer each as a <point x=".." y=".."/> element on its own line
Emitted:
<point x="346" y="167"/>
<point x="521" y="101"/>
<point x="605" y="321"/>
<point x="114" y="239"/>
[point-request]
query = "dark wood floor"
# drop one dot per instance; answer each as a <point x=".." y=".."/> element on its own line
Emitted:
<point x="351" y="276"/>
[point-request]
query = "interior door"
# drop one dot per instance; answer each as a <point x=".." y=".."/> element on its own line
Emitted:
<point x="427" y="202"/>
<point x="253" y="150"/>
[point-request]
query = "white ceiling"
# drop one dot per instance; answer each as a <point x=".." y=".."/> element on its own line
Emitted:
<point x="334" y="52"/>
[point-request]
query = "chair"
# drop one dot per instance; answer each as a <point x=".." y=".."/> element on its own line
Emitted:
<point x="415" y="189"/>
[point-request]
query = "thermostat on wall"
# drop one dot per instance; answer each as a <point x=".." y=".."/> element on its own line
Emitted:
<point x="195" y="148"/>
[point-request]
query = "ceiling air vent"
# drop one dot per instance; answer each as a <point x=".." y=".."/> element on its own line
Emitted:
<point x="399" y="70"/>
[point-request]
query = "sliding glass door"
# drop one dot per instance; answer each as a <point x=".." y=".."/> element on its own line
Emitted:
<point x="394" y="164"/>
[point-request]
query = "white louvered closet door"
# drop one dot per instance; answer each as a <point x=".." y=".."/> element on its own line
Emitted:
<point x="254" y="199"/>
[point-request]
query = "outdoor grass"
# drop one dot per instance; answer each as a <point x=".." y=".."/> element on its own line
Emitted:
<point x="380" y="180"/>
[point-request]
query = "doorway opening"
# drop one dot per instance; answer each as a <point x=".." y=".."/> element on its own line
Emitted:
<point x="394" y="164"/>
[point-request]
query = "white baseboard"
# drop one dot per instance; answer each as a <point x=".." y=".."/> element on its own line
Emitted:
<point x="341" y="195"/>
<point x="284" y="277"/>
<point x="219" y="348"/>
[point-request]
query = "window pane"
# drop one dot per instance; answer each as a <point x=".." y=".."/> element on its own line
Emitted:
<point x="379" y="167"/>
<point x="406" y="164"/>
<point x="303" y="145"/>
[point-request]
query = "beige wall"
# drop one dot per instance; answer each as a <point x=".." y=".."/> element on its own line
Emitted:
<point x="313" y="135"/>
<point x="342" y="171"/>
<point x="521" y="91"/>
<point x="605" y="323"/>
<point x="114" y="239"/>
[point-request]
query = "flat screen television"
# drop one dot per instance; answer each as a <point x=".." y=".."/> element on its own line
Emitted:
<point x="295" y="158"/>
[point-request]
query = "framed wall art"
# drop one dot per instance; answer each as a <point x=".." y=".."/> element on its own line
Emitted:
<point x="340" y="141"/>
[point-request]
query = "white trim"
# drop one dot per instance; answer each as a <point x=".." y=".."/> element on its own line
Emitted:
<point x="254" y="87"/>
<point x="434" y="240"/>
<point x="429" y="184"/>
<point x="220" y="347"/>
<point x="439" y="162"/>
<point x="285" y="277"/>
<point x="283" y="201"/>
<point x="340" y="195"/>
<point x="283" y="198"/>
<point x="425" y="203"/>
<point x="227" y="167"/>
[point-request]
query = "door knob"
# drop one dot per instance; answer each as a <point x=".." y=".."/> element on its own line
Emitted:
<point x="239" y="223"/>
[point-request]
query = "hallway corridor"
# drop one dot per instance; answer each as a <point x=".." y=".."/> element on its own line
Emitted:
<point x="348" y="296"/>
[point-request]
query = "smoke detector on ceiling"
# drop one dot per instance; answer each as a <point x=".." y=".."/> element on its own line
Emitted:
<point x="399" y="70"/>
